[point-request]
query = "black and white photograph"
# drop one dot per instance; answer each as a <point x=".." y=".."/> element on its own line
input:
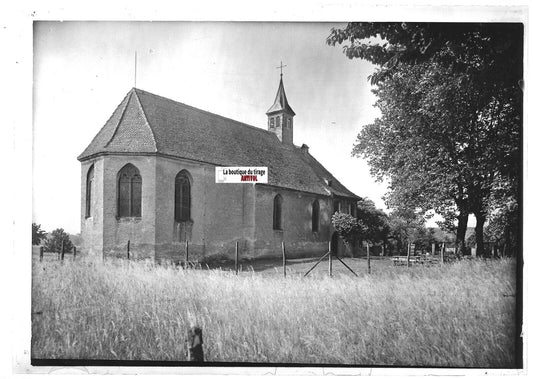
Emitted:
<point x="278" y="194"/>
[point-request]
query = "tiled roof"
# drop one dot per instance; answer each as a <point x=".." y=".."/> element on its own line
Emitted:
<point x="148" y="123"/>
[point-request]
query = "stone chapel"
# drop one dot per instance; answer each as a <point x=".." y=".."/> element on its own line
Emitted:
<point x="148" y="177"/>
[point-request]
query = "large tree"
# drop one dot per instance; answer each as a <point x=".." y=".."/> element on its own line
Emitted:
<point x="417" y="143"/>
<point x="451" y="112"/>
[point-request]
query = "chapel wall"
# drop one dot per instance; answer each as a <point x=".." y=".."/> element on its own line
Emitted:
<point x="230" y="218"/>
<point x="171" y="236"/>
<point x="220" y="214"/>
<point x="296" y="230"/>
<point x="92" y="227"/>
<point x="140" y="231"/>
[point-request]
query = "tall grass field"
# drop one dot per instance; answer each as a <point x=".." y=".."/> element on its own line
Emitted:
<point x="457" y="315"/>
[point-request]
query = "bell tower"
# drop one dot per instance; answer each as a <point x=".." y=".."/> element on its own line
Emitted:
<point x="280" y="115"/>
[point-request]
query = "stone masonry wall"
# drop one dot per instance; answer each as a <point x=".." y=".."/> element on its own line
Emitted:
<point x="92" y="227"/>
<point x="140" y="231"/>
<point x="296" y="223"/>
<point x="221" y="214"/>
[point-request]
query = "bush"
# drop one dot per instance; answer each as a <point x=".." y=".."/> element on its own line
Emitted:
<point x="54" y="241"/>
<point x="347" y="226"/>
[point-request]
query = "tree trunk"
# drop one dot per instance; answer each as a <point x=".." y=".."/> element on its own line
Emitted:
<point x="507" y="240"/>
<point x="399" y="246"/>
<point x="461" y="232"/>
<point x="480" y="223"/>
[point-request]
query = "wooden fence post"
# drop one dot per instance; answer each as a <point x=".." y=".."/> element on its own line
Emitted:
<point x="408" y="254"/>
<point x="195" y="352"/>
<point x="128" y="249"/>
<point x="74" y="252"/>
<point x="62" y="249"/>
<point x="316" y="264"/>
<point x="442" y="253"/>
<point x="187" y="253"/>
<point x="284" y="259"/>
<point x="368" y="256"/>
<point x="433" y="249"/>
<point x="41" y="253"/>
<point x="330" y="262"/>
<point x="236" y="257"/>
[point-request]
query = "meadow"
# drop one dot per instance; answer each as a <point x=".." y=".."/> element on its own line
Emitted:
<point x="456" y="315"/>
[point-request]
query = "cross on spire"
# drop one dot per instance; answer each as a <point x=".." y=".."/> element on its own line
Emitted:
<point x="281" y="65"/>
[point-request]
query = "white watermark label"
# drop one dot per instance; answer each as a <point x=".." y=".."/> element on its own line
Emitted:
<point x="241" y="175"/>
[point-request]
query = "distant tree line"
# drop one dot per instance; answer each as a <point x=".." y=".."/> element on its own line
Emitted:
<point x="449" y="137"/>
<point x="53" y="242"/>
<point x="393" y="232"/>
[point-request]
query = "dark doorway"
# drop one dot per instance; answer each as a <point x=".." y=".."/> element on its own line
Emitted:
<point x="334" y="243"/>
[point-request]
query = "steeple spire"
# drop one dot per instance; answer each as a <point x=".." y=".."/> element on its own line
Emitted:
<point x="280" y="114"/>
<point x="280" y="102"/>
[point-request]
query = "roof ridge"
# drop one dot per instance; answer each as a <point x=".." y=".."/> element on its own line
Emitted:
<point x="321" y="180"/>
<point x="145" y="118"/>
<point x="120" y="119"/>
<point x="204" y="111"/>
<point x="104" y="125"/>
<point x="182" y="131"/>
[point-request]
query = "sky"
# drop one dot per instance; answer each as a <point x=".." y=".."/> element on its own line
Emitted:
<point x="82" y="71"/>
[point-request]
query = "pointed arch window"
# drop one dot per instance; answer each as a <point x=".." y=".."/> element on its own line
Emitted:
<point x="89" y="191"/>
<point x="276" y="219"/>
<point x="314" y="216"/>
<point x="182" y="197"/>
<point x="277" y="121"/>
<point x="129" y="192"/>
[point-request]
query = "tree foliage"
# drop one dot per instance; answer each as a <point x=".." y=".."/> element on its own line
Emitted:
<point x="371" y="224"/>
<point x="406" y="226"/>
<point x="347" y="226"/>
<point x="451" y="102"/>
<point x="37" y="234"/>
<point x="489" y="50"/>
<point x="57" y="238"/>
<point x="392" y="231"/>
<point x="375" y="222"/>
